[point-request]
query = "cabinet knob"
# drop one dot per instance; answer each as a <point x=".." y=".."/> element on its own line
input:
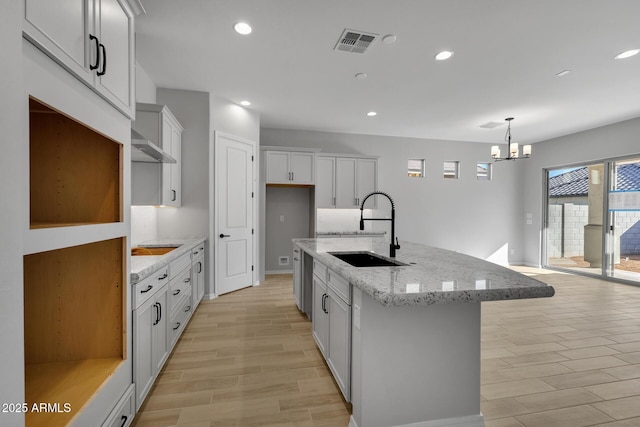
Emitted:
<point x="222" y="236"/>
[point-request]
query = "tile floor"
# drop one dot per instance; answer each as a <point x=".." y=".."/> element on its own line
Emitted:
<point x="248" y="359"/>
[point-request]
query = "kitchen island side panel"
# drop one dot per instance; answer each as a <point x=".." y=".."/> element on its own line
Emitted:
<point x="414" y="364"/>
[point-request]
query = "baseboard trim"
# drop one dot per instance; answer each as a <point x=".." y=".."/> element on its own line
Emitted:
<point x="278" y="272"/>
<point x="468" y="421"/>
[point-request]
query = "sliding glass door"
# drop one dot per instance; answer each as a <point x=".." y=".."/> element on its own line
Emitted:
<point x="592" y="219"/>
<point x="623" y="237"/>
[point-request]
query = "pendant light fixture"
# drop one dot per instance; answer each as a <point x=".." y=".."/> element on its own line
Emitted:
<point x="513" y="149"/>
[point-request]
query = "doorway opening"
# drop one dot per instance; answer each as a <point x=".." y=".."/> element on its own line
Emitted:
<point x="592" y="221"/>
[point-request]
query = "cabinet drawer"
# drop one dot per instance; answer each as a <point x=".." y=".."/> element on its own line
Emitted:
<point x="144" y="290"/>
<point x="197" y="251"/>
<point x="320" y="270"/>
<point x="180" y="317"/>
<point x="340" y="286"/>
<point x="179" y="286"/>
<point x="122" y="415"/>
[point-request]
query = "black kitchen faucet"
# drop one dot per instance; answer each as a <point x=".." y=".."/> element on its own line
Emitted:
<point x="394" y="240"/>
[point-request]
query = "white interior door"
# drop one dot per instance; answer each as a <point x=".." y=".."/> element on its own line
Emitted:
<point x="234" y="185"/>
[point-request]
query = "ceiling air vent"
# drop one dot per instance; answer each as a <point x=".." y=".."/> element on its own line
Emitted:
<point x="490" y="125"/>
<point x="355" y="41"/>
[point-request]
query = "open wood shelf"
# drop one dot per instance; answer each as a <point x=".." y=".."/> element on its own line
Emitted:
<point x="74" y="324"/>
<point x="70" y="382"/>
<point x="74" y="171"/>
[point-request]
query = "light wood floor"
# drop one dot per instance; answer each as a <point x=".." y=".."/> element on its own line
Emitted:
<point x="248" y="359"/>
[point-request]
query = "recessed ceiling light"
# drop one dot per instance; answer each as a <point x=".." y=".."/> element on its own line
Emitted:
<point x="563" y="73"/>
<point x="371" y="113"/>
<point x="245" y="103"/>
<point x="444" y="55"/>
<point x="627" y="54"/>
<point x="389" y="39"/>
<point x="361" y="76"/>
<point x="242" y="28"/>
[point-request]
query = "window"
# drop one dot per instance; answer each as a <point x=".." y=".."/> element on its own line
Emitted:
<point x="483" y="171"/>
<point x="451" y="169"/>
<point x="416" y="168"/>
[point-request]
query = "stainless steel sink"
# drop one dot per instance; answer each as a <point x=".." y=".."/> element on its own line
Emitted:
<point x="366" y="259"/>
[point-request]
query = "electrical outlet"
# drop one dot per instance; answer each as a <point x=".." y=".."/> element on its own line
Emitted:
<point x="283" y="260"/>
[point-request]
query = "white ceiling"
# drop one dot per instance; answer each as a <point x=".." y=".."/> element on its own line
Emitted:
<point x="507" y="54"/>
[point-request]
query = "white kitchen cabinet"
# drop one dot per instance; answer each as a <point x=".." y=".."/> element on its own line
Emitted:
<point x="339" y="351"/>
<point x="320" y="315"/>
<point x="180" y="314"/>
<point x="151" y="348"/>
<point x="198" y="274"/>
<point x="343" y="182"/>
<point x="332" y="323"/>
<point x="152" y="183"/>
<point x="122" y="415"/>
<point x="325" y="182"/>
<point x="290" y="167"/>
<point x="93" y="39"/>
<point x="298" y="276"/>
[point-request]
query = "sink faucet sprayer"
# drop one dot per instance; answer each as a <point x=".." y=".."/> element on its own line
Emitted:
<point x="394" y="240"/>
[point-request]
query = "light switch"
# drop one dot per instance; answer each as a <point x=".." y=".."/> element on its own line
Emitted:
<point x="281" y="218"/>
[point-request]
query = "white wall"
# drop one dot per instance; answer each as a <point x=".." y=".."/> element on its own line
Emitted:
<point x="145" y="87"/>
<point x="616" y="140"/>
<point x="479" y="218"/>
<point x="13" y="111"/>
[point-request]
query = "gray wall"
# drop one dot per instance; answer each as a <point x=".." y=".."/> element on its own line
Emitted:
<point x="13" y="111"/>
<point x="192" y="219"/>
<point x="480" y="218"/>
<point x="293" y="204"/>
<point x="616" y="140"/>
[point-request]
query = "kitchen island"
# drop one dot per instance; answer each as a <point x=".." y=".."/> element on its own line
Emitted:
<point x="411" y="333"/>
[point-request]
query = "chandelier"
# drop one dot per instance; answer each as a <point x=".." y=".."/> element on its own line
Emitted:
<point x="513" y="149"/>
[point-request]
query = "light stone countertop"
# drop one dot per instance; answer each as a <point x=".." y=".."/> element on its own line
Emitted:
<point x="144" y="265"/>
<point x="432" y="276"/>
<point x="350" y="233"/>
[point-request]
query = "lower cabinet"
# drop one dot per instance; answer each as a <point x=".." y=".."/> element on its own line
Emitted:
<point x="151" y="348"/>
<point x="339" y="357"/>
<point x="332" y="324"/>
<point x="197" y="274"/>
<point x="297" y="276"/>
<point x="320" y="315"/>
<point x="122" y="415"/>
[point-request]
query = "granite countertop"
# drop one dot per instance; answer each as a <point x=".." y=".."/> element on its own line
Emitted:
<point x="432" y="276"/>
<point x="350" y="233"/>
<point x="144" y="265"/>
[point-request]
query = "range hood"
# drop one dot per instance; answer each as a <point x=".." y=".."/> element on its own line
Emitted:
<point x="143" y="150"/>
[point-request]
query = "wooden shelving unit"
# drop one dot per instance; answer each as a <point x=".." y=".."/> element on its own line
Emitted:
<point x="75" y="172"/>
<point x="75" y="296"/>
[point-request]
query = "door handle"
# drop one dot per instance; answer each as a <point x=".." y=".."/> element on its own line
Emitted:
<point x="97" y="42"/>
<point x="222" y="236"/>
<point x="103" y="71"/>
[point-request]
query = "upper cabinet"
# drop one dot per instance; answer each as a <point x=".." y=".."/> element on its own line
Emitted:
<point x="290" y="167"/>
<point x="154" y="183"/>
<point x="93" y="39"/>
<point x="343" y="182"/>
